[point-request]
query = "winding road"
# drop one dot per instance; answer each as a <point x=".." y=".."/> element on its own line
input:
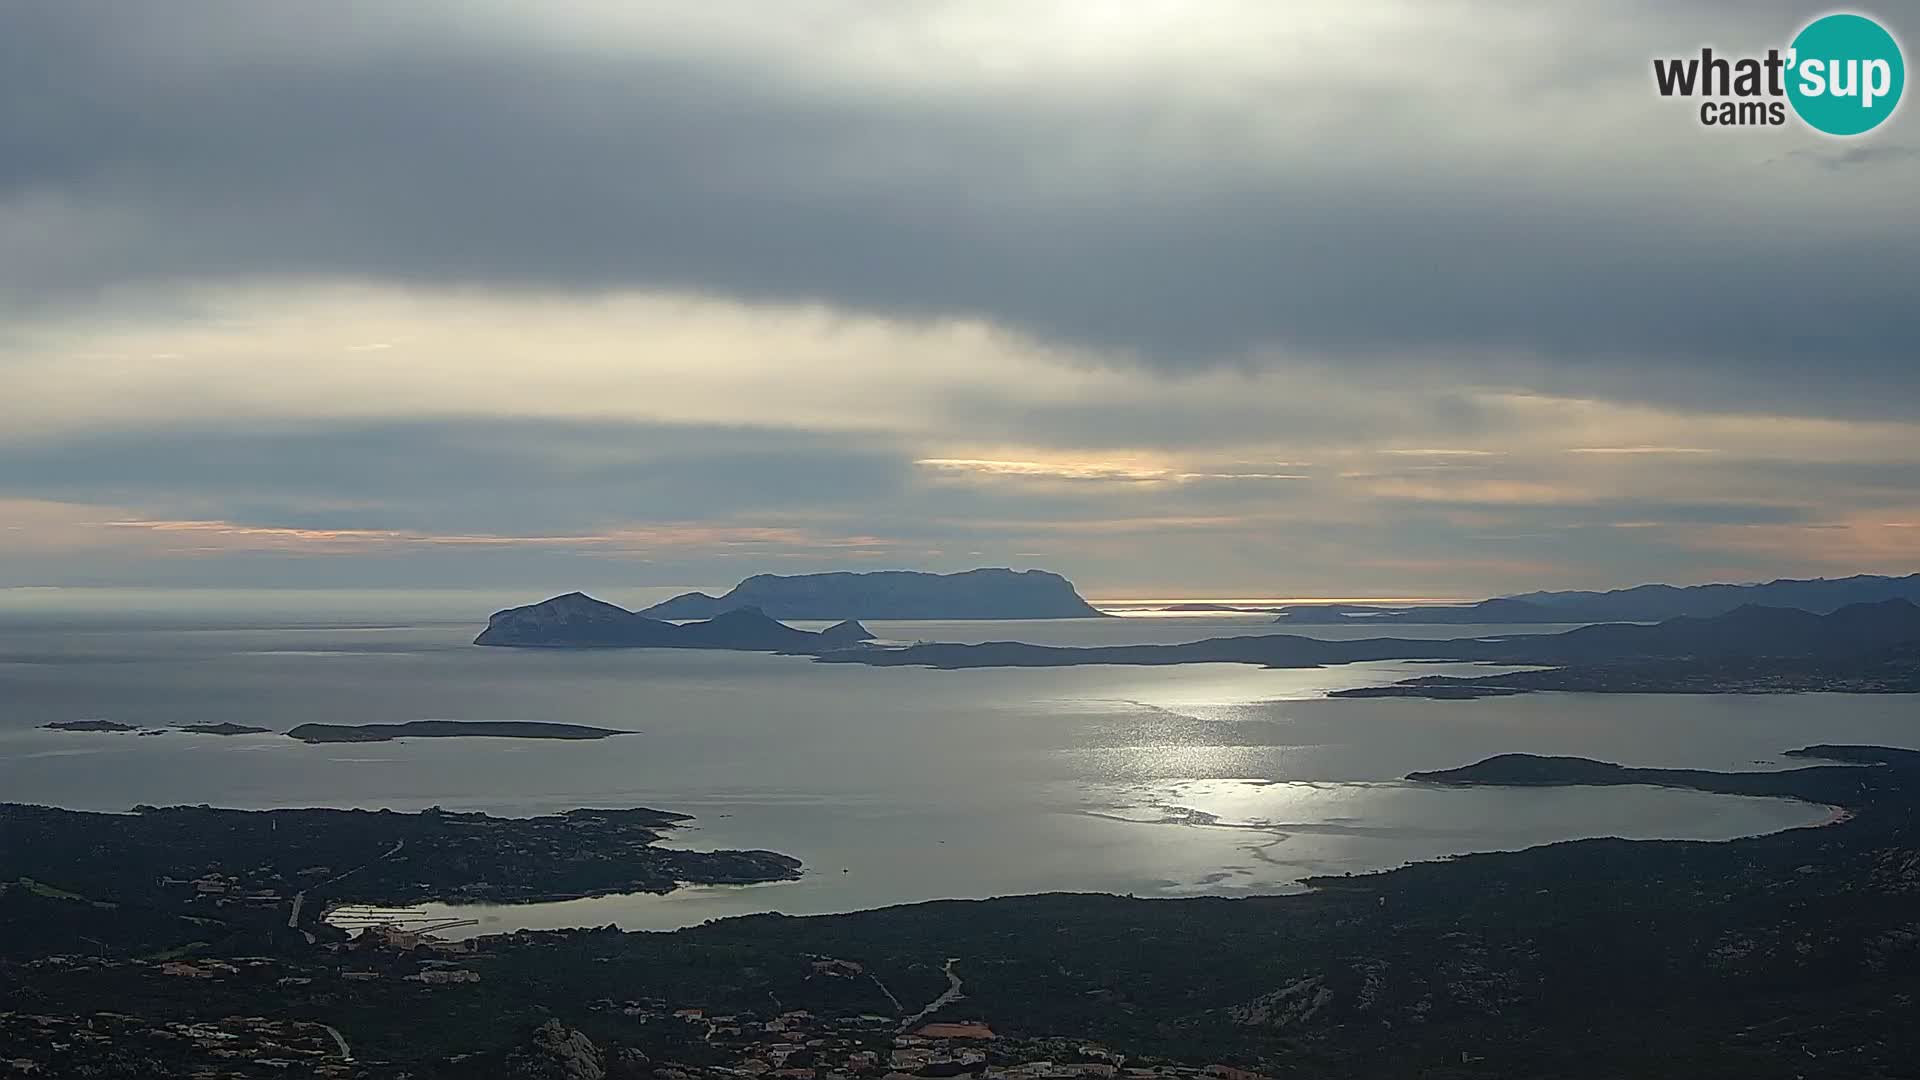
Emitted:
<point x="948" y="997"/>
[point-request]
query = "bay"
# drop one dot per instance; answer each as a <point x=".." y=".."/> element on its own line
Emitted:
<point x="892" y="785"/>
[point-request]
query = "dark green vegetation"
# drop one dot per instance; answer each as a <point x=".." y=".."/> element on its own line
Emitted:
<point x="996" y="593"/>
<point x="158" y="880"/>
<point x="1790" y="955"/>
<point x="448" y="729"/>
<point x="578" y="621"/>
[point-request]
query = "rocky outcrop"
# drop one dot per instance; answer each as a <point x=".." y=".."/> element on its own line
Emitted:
<point x="1293" y="1005"/>
<point x="556" y="1052"/>
<point x="628" y="1063"/>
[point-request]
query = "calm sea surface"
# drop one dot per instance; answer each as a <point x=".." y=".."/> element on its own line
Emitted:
<point x="892" y="785"/>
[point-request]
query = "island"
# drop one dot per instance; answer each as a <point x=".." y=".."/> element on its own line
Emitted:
<point x="88" y="725"/>
<point x="184" y="874"/>
<point x="449" y="729"/>
<point x="578" y="621"/>
<point x="1205" y="606"/>
<point x="986" y="593"/>
<point x="1824" y="783"/>
<point x="224" y="729"/>
<point x="1454" y="690"/>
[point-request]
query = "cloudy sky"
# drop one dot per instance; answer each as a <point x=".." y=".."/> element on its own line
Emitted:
<point x="1207" y="298"/>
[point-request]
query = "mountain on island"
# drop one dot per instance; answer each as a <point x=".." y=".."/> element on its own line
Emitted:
<point x="577" y="620"/>
<point x="1642" y="603"/>
<point x="996" y="593"/>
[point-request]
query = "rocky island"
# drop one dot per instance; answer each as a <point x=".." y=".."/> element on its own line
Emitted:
<point x="448" y="729"/>
<point x="87" y="725"/>
<point x="579" y="621"/>
<point x="224" y="729"/>
<point x="987" y="593"/>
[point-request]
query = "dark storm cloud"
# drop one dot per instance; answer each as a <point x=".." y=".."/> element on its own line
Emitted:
<point x="144" y="144"/>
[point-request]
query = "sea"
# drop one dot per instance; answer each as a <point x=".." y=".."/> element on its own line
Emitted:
<point x="891" y="785"/>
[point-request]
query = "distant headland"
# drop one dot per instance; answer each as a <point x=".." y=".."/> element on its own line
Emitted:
<point x="987" y="593"/>
<point x="1642" y="603"/>
<point x="1862" y="648"/>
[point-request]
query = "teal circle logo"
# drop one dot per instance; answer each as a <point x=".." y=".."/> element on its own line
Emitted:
<point x="1845" y="74"/>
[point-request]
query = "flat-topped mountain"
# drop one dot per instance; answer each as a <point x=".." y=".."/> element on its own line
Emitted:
<point x="1642" y="603"/>
<point x="892" y="594"/>
<point x="577" y="620"/>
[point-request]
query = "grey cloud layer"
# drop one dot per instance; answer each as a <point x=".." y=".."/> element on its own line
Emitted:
<point x="480" y="475"/>
<point x="139" y="146"/>
<point x="544" y="503"/>
<point x="1125" y="298"/>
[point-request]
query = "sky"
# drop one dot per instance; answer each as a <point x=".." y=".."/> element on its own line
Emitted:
<point x="1209" y="298"/>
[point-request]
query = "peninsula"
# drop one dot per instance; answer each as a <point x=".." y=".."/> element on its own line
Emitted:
<point x="1865" y="648"/>
<point x="987" y="593"/>
<point x="182" y="875"/>
<point x="1589" y="959"/>
<point x="1642" y="603"/>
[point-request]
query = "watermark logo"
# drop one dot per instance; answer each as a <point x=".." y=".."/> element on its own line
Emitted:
<point x="1842" y="74"/>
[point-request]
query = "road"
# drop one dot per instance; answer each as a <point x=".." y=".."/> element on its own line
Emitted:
<point x="951" y="995"/>
<point x="897" y="1007"/>
<point x="300" y="898"/>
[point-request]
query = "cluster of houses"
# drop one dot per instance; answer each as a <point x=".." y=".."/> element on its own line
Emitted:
<point x="798" y="1045"/>
<point x="233" y="1048"/>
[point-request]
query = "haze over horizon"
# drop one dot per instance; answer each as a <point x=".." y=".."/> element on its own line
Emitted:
<point x="1177" y="300"/>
